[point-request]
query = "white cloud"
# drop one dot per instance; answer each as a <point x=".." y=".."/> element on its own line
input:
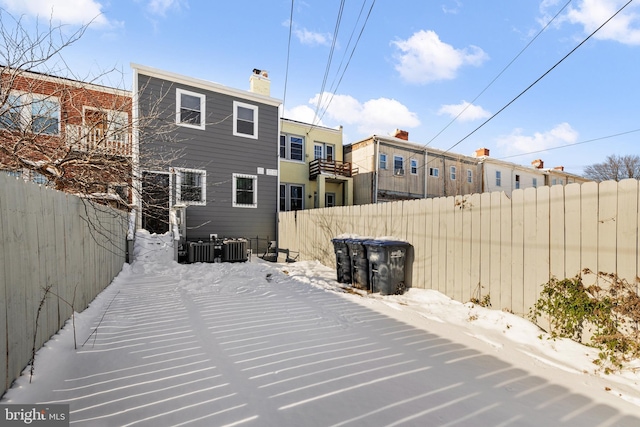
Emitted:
<point x="624" y="28"/>
<point x="424" y="58"/>
<point x="375" y="116"/>
<point x="303" y="113"/>
<point x="161" y="7"/>
<point x="517" y="142"/>
<point x="467" y="111"/>
<point x="77" y="12"/>
<point x="312" y="38"/>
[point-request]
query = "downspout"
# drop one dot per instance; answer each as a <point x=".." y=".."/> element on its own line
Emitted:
<point x="135" y="152"/>
<point x="277" y="236"/>
<point x="425" y="171"/>
<point x="376" y="170"/>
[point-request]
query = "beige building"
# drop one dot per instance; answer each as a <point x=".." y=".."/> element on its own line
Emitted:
<point x="393" y="168"/>
<point x="312" y="171"/>
<point x="498" y="175"/>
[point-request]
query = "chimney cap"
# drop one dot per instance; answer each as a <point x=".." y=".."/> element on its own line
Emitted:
<point x="401" y="134"/>
<point x="482" y="152"/>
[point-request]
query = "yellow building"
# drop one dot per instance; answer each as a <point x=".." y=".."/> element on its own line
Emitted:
<point x="312" y="171"/>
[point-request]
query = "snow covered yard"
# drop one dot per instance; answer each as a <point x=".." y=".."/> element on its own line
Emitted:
<point x="284" y="345"/>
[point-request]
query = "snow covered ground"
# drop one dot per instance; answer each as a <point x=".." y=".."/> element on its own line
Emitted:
<point x="285" y="345"/>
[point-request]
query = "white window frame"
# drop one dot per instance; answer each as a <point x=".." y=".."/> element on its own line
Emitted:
<point x="452" y="173"/>
<point x="255" y="190"/>
<point x="117" y="123"/>
<point x="203" y="186"/>
<point x="383" y="161"/>
<point x="413" y="165"/>
<point x="327" y="196"/>
<point x="469" y="176"/>
<point x="498" y="178"/>
<point x="203" y="108"/>
<point x="287" y="147"/>
<point x="534" y="182"/>
<point x="398" y="171"/>
<point x="434" y="172"/>
<point x="237" y="104"/>
<point x="517" y="182"/>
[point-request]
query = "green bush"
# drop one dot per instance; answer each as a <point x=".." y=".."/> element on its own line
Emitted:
<point x="610" y="313"/>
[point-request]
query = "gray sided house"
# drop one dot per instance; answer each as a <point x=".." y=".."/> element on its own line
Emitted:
<point x="211" y="148"/>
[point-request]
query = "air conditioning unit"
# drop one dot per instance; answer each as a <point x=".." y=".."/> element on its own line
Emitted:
<point x="234" y="250"/>
<point x="201" y="252"/>
<point x="398" y="172"/>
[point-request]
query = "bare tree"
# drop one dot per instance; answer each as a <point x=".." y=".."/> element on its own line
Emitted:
<point x="614" y="168"/>
<point x="73" y="133"/>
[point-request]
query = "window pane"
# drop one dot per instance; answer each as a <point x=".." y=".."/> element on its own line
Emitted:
<point x="191" y="187"/>
<point x="244" y="191"/>
<point x="283" y="197"/>
<point x="398" y="162"/>
<point x="190" y="102"/>
<point x="245" y="114"/>
<point x="245" y="127"/>
<point x="296" y="197"/>
<point x="190" y="109"/>
<point x="45" y="113"/>
<point x="296" y="148"/>
<point x="383" y="161"/>
<point x="283" y="147"/>
<point x="329" y="149"/>
<point x="317" y="152"/>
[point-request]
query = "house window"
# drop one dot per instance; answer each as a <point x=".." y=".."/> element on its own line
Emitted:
<point x="323" y="151"/>
<point x="291" y="197"/>
<point x="38" y="178"/>
<point x="37" y="113"/>
<point x="119" y="189"/>
<point x="292" y="147"/>
<point x="191" y="186"/>
<point x="534" y="182"/>
<point x="498" y="178"/>
<point x="189" y="109"/>
<point x="434" y="172"/>
<point x="398" y="165"/>
<point x="45" y="116"/>
<point x="414" y="166"/>
<point x="103" y="126"/>
<point x="469" y="176"/>
<point x="245" y="191"/>
<point x="554" y="181"/>
<point x="383" y="161"/>
<point x="517" y="182"/>
<point x="329" y="200"/>
<point x="452" y="173"/>
<point x="245" y="120"/>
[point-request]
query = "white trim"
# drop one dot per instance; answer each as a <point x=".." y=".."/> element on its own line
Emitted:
<point x="206" y="85"/>
<point x="255" y="190"/>
<point x="203" y="108"/>
<point x="254" y="108"/>
<point x="203" y="187"/>
<point x="411" y="166"/>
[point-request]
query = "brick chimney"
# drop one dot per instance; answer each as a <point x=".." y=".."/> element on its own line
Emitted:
<point x="482" y="152"/>
<point x="401" y="134"/>
<point x="259" y="82"/>
<point x="559" y="168"/>
<point x="538" y="164"/>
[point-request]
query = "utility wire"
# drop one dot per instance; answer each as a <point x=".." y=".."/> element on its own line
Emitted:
<point x="571" y="145"/>
<point x="541" y="77"/>
<point x="330" y="59"/>
<point x="286" y="73"/>
<point x="543" y="29"/>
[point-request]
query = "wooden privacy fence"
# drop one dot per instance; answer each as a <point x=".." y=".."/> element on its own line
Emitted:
<point x="50" y="238"/>
<point x="488" y="244"/>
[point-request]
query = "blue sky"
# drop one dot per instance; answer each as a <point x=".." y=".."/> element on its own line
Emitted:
<point x="416" y="64"/>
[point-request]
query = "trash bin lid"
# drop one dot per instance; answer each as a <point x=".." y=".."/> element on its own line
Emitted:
<point x="383" y="242"/>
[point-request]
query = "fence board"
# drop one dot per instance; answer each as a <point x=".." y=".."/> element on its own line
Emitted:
<point x="457" y="281"/>
<point x="530" y="250"/>
<point x="542" y="239"/>
<point x="627" y="229"/>
<point x="5" y="248"/>
<point x="495" y="266"/>
<point x="607" y="225"/>
<point x="556" y="231"/>
<point x="572" y="229"/>
<point x="450" y="260"/>
<point x="517" y="252"/>
<point x="426" y="207"/>
<point x="589" y="227"/>
<point x="504" y="292"/>
<point x="484" y="286"/>
<point x="474" y="208"/>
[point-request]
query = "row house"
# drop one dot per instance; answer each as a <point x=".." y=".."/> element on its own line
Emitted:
<point x="393" y="168"/>
<point x="209" y="149"/>
<point x="71" y="135"/>
<point x="312" y="171"/>
<point x="499" y="175"/>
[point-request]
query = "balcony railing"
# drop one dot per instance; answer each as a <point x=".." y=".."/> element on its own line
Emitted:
<point x="95" y="140"/>
<point x="330" y="167"/>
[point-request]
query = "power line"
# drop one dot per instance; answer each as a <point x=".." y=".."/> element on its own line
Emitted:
<point x="286" y="73"/>
<point x="570" y="145"/>
<point x="541" y="77"/>
<point x="501" y="72"/>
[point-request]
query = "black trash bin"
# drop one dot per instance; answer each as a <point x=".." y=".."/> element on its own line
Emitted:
<point x="359" y="263"/>
<point x="343" y="260"/>
<point x="387" y="264"/>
